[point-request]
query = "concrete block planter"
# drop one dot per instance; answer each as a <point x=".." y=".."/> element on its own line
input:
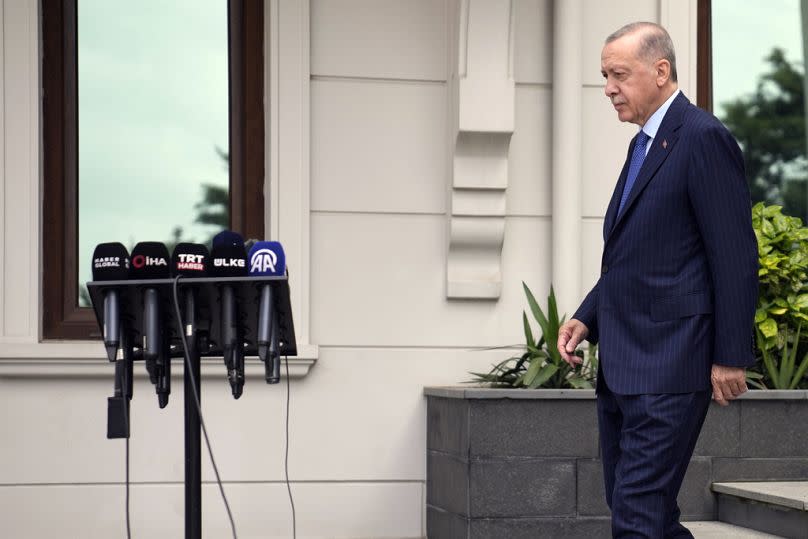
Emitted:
<point x="525" y="463"/>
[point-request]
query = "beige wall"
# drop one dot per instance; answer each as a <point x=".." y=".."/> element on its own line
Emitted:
<point x="359" y="180"/>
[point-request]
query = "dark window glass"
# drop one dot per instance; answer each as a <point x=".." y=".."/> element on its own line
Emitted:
<point x="152" y="123"/>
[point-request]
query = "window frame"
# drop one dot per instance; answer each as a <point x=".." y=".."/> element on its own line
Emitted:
<point x="62" y="318"/>
<point x="704" y="55"/>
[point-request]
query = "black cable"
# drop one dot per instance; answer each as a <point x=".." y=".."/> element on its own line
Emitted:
<point x="286" y="456"/>
<point x="198" y="406"/>
<point x="126" y="422"/>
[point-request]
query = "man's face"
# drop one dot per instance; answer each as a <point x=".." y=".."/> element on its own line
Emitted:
<point x="631" y="81"/>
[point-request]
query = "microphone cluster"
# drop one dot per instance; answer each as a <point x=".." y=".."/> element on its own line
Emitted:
<point x="227" y="259"/>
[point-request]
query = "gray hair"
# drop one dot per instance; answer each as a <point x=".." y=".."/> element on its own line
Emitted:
<point x="655" y="44"/>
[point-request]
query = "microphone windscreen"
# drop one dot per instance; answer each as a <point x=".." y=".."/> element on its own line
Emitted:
<point x="150" y="261"/>
<point x="228" y="261"/>
<point x="267" y="258"/>
<point x="227" y="237"/>
<point x="110" y="262"/>
<point x="190" y="260"/>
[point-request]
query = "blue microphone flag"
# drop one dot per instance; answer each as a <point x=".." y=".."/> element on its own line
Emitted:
<point x="267" y="258"/>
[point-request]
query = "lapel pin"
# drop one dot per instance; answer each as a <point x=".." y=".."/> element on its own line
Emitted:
<point x="664" y="143"/>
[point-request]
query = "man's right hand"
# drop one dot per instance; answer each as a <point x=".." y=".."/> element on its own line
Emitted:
<point x="570" y="336"/>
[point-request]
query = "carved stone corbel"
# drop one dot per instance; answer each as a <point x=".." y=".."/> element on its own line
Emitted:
<point x="482" y="92"/>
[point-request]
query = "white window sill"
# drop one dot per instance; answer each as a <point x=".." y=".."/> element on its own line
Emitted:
<point x="85" y="359"/>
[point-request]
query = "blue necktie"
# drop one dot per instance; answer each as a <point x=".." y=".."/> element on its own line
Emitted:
<point x="637" y="157"/>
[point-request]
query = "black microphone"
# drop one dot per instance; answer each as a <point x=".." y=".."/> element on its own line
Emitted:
<point x="111" y="263"/>
<point x="268" y="259"/>
<point x="150" y="261"/>
<point x="190" y="260"/>
<point x="228" y="259"/>
<point x="227" y="237"/>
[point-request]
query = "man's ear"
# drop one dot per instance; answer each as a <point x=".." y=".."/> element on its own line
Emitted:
<point x="663" y="72"/>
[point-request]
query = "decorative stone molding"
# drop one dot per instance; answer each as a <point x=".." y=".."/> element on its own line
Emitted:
<point x="481" y="122"/>
<point x="98" y="367"/>
<point x="287" y="79"/>
<point x="567" y="157"/>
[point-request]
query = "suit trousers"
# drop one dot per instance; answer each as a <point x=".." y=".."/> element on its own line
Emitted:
<point x="646" y="445"/>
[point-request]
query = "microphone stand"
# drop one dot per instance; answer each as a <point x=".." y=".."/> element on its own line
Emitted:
<point x="197" y="296"/>
<point x="193" y="460"/>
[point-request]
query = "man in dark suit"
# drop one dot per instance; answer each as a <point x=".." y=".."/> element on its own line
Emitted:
<point x="673" y="309"/>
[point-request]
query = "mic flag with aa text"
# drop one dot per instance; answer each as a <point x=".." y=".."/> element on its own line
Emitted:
<point x="267" y="259"/>
<point x="111" y="263"/>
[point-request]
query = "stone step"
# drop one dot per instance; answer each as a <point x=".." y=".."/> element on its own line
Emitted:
<point x="777" y="507"/>
<point x="722" y="530"/>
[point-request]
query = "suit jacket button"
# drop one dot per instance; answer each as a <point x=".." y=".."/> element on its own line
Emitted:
<point x="604" y="269"/>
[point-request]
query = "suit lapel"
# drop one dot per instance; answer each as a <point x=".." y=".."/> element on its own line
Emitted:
<point x="662" y="145"/>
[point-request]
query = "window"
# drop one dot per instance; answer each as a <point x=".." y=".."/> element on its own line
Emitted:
<point x="752" y="76"/>
<point x="122" y="135"/>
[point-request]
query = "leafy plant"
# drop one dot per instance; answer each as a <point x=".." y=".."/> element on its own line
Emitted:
<point x="784" y="373"/>
<point x="541" y="364"/>
<point x="782" y="307"/>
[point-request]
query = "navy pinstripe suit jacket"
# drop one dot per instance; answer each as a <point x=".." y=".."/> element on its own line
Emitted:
<point x="679" y="283"/>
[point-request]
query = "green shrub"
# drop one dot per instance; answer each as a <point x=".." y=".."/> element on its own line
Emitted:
<point x="782" y="309"/>
<point x="541" y="365"/>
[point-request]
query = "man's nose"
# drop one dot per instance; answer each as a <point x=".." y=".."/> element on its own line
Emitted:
<point x="609" y="89"/>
